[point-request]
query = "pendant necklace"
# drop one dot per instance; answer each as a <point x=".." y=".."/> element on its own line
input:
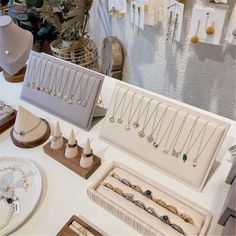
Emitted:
<point x="42" y="78"/>
<point x="35" y="75"/>
<point x="141" y="133"/>
<point x="67" y="97"/>
<point x="8" y="52"/>
<point x="165" y="151"/>
<point x="47" y="81"/>
<point x="122" y="113"/>
<point x="60" y="79"/>
<point x="157" y="144"/>
<point x="150" y="137"/>
<point x="199" y="152"/>
<point x="176" y="138"/>
<point x="65" y="87"/>
<point x="127" y="126"/>
<point x="85" y="99"/>
<point x="72" y="92"/>
<point x="177" y="154"/>
<point x="120" y="120"/>
<point x="22" y="133"/>
<point x="52" y="90"/>
<point x="190" y="146"/>
<point x="116" y="108"/>
<point x="29" y="77"/>
<point x="82" y="89"/>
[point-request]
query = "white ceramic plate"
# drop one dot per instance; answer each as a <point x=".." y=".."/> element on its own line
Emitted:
<point x="27" y="200"/>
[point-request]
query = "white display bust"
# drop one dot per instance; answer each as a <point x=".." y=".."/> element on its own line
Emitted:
<point x="15" y="45"/>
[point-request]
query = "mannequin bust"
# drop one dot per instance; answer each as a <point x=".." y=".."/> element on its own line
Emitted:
<point x="86" y="160"/>
<point x="15" y="45"/>
<point x="71" y="147"/>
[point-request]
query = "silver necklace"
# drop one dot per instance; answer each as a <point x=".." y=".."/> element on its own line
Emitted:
<point x="130" y="118"/>
<point x="141" y="133"/>
<point x="136" y="123"/>
<point x="85" y="99"/>
<point x="29" y="77"/>
<point x="199" y="152"/>
<point x="72" y="92"/>
<point x="82" y="89"/>
<point x="116" y="108"/>
<point x="64" y="89"/>
<point x="23" y="133"/>
<point x="165" y="150"/>
<point x="176" y="137"/>
<point x="52" y="91"/>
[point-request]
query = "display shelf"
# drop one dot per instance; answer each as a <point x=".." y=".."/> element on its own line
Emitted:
<point x="65" y="193"/>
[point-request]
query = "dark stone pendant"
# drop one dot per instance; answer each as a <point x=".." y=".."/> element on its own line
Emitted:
<point x="185" y="157"/>
<point x="37" y="88"/>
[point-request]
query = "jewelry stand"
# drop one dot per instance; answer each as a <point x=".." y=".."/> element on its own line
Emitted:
<point x="17" y="78"/>
<point x="57" y="86"/>
<point x="34" y="143"/>
<point x="72" y="163"/>
<point x="7" y="122"/>
<point x="188" y="163"/>
<point x="66" y="230"/>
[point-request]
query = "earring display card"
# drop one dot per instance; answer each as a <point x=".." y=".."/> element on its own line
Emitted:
<point x="179" y="141"/>
<point x="148" y="207"/>
<point x="62" y="88"/>
<point x="175" y="14"/>
<point x="207" y="23"/>
<point x="137" y="13"/>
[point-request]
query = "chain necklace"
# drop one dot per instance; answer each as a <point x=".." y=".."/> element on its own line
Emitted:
<point x="85" y="100"/>
<point x="199" y="152"/>
<point x="22" y="133"/>
<point x="40" y="87"/>
<point x="157" y="144"/>
<point x="60" y="79"/>
<point x="141" y="133"/>
<point x="136" y="123"/>
<point x="176" y="138"/>
<point x="83" y="89"/>
<point x="35" y="75"/>
<point x="47" y="81"/>
<point x="165" y="151"/>
<point x="190" y="146"/>
<point x="115" y="109"/>
<point x="130" y="118"/>
<point x="122" y="113"/>
<point x="28" y="82"/>
<point x="64" y="89"/>
<point x="72" y="92"/>
<point x="52" y="90"/>
<point x="150" y="137"/>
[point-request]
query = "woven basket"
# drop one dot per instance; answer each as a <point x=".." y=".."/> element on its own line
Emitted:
<point x="83" y="52"/>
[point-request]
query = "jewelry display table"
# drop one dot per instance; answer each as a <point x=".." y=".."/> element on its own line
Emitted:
<point x="65" y="193"/>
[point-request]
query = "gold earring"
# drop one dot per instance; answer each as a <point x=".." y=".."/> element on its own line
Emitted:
<point x="121" y="14"/>
<point x="112" y="11"/>
<point x="195" y="38"/>
<point x="210" y="29"/>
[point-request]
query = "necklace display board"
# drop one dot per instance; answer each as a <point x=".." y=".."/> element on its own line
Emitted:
<point x="148" y="207"/>
<point x="20" y="191"/>
<point x="178" y="141"/>
<point x="64" y="89"/>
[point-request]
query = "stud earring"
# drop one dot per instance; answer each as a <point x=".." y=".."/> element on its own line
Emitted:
<point x="210" y="29"/>
<point x="195" y="38"/>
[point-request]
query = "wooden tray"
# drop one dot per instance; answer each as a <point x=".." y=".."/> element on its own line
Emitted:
<point x="7" y="122"/>
<point x="72" y="163"/>
<point x="66" y="230"/>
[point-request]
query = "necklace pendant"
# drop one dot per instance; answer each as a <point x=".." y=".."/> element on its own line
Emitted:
<point x="84" y="104"/>
<point x="112" y="120"/>
<point x="65" y="98"/>
<point x="41" y="88"/>
<point x="79" y="101"/>
<point x="119" y="121"/>
<point x="185" y="157"/>
<point x="141" y="134"/>
<point x="195" y="162"/>
<point x="33" y="85"/>
<point x="27" y="84"/>
<point x="136" y="124"/>
<point x="53" y="93"/>
<point x="127" y="127"/>
<point x="155" y="145"/>
<point x="69" y="100"/>
<point x="27" y="186"/>
<point x="150" y="138"/>
<point x="165" y="151"/>
<point x="46" y="90"/>
<point x="7" y="52"/>
<point x="37" y="88"/>
<point x="59" y="95"/>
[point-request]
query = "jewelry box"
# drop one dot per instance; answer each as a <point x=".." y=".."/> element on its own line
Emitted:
<point x="148" y="207"/>
<point x="174" y="138"/>
<point x="64" y="89"/>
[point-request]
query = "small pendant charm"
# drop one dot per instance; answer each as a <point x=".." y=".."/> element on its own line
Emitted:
<point x="165" y="151"/>
<point x="155" y="145"/>
<point x="84" y="104"/>
<point x="65" y="98"/>
<point x="22" y="133"/>
<point x="7" y="52"/>
<point x="33" y="85"/>
<point x="41" y="88"/>
<point x="127" y="127"/>
<point x="79" y="101"/>
<point x="119" y="121"/>
<point x="53" y="93"/>
<point x="69" y="100"/>
<point x="136" y="124"/>
<point x="141" y="134"/>
<point x="185" y="157"/>
<point x="59" y="95"/>
<point x="195" y="162"/>
<point x="112" y="120"/>
<point x="27" y="186"/>
<point x="150" y="138"/>
<point x="27" y="84"/>
<point x="37" y="88"/>
<point x="46" y="90"/>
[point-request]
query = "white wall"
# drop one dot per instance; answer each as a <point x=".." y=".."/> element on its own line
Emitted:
<point x="201" y="75"/>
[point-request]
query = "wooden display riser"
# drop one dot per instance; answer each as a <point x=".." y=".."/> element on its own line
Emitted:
<point x="72" y="163"/>
<point x="7" y="122"/>
<point x="66" y="230"/>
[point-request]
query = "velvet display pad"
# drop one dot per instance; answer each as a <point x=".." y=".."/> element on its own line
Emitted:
<point x="137" y="217"/>
<point x="7" y="122"/>
<point x="171" y="122"/>
<point x="72" y="163"/>
<point x="67" y="231"/>
<point x="44" y="70"/>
